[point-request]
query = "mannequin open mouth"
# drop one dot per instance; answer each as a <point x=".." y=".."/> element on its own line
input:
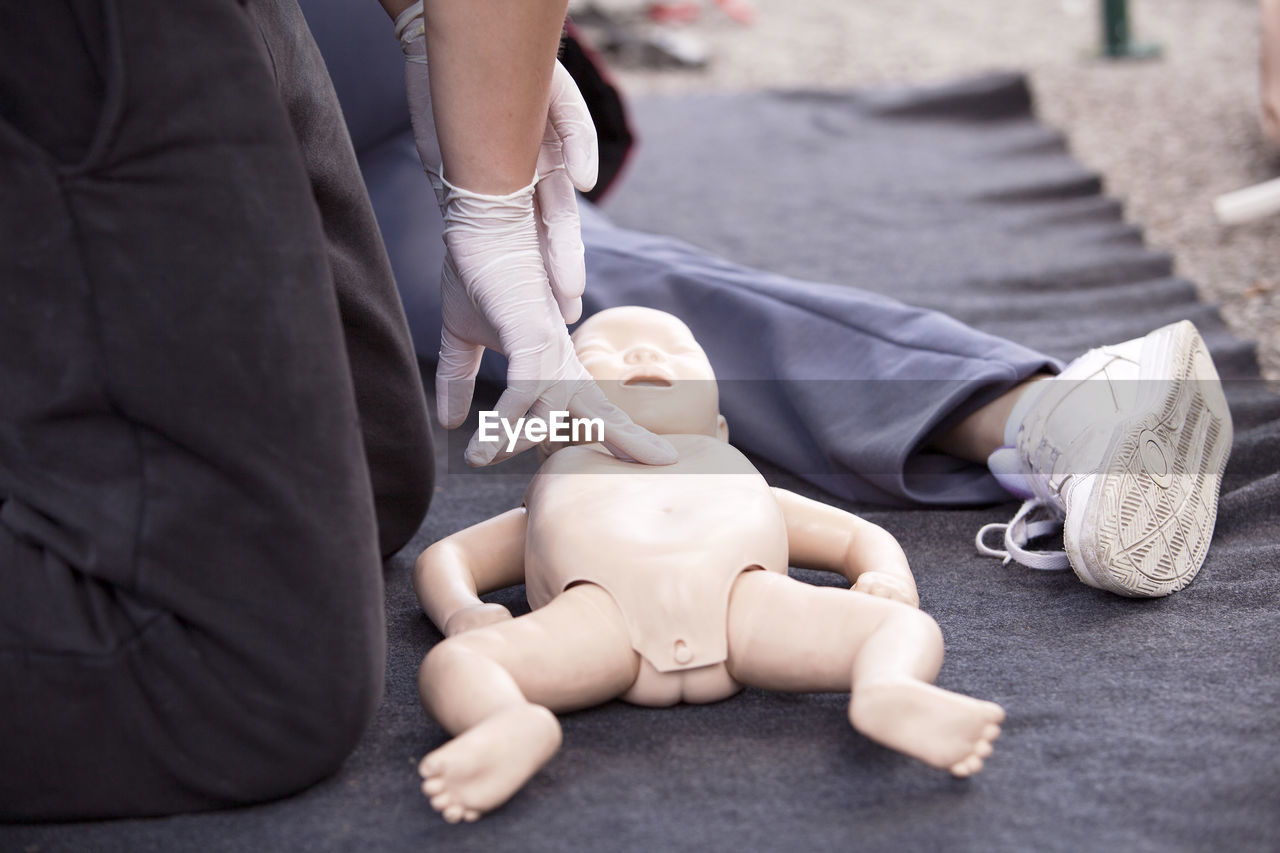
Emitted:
<point x="647" y="382"/>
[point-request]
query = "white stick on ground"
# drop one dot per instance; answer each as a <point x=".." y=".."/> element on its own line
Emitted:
<point x="1249" y="203"/>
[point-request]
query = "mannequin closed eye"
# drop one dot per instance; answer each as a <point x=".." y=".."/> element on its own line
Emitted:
<point x="635" y="344"/>
<point x="648" y="364"/>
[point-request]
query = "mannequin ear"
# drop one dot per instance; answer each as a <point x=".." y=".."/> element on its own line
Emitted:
<point x="722" y="429"/>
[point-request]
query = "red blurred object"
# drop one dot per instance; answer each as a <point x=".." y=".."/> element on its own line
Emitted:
<point x="687" y="11"/>
<point x="740" y="10"/>
<point x="673" y="13"/>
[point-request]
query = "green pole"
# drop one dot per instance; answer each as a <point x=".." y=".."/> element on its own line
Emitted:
<point x="1116" y="35"/>
<point x="1115" y="27"/>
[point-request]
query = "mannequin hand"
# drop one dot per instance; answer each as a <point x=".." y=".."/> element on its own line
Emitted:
<point x="494" y="294"/>
<point x="475" y="616"/>
<point x="885" y="585"/>
<point x="569" y="158"/>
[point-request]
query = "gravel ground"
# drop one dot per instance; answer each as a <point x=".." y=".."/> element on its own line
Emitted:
<point x="1168" y="135"/>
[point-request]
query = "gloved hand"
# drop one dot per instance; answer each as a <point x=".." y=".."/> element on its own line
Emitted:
<point x="569" y="158"/>
<point x="496" y="290"/>
<point x="494" y="294"/>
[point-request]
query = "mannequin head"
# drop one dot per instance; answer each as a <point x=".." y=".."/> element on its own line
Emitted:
<point x="649" y="365"/>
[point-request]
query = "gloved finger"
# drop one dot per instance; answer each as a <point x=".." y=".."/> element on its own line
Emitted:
<point x="455" y="378"/>
<point x="571" y="121"/>
<point x="622" y="436"/>
<point x="514" y="404"/>
<point x="510" y="446"/>
<point x="560" y="242"/>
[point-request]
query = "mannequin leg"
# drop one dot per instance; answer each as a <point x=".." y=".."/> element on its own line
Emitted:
<point x="496" y="689"/>
<point x="788" y="635"/>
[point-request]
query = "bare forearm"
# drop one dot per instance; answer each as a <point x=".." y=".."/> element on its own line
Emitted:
<point x="818" y="535"/>
<point x="873" y="549"/>
<point x="491" y="65"/>
<point x="443" y="583"/>
<point x="453" y="573"/>
<point x="395" y="7"/>
<point x="823" y="537"/>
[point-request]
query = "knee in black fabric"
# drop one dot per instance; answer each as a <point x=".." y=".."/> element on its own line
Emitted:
<point x="271" y="755"/>
<point x="283" y="695"/>
<point x="160" y="727"/>
<point x="401" y="506"/>
<point x="225" y="704"/>
<point x="149" y="731"/>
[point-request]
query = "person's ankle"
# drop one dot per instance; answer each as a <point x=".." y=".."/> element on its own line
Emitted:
<point x="984" y="431"/>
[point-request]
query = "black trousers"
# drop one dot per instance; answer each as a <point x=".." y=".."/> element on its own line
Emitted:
<point x="212" y="426"/>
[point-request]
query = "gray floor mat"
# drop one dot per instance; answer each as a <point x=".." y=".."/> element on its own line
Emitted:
<point x="1133" y="725"/>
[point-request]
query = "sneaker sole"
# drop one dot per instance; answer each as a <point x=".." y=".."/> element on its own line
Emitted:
<point x="1149" y="515"/>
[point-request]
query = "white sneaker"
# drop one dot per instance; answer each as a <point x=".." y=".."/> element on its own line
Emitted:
<point x="1125" y="450"/>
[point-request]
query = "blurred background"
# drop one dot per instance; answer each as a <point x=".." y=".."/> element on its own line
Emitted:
<point x="1168" y="133"/>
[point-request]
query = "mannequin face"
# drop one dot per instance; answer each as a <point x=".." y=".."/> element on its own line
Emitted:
<point x="649" y="365"/>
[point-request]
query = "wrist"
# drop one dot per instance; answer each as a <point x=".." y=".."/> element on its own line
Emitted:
<point x="518" y="192"/>
<point x="411" y="33"/>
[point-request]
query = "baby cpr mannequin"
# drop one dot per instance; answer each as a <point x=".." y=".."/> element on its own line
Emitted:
<point x="667" y="584"/>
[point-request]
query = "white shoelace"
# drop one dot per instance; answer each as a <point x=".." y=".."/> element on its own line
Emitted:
<point x="1021" y="530"/>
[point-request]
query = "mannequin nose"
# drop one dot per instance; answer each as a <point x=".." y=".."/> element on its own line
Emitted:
<point x="642" y="355"/>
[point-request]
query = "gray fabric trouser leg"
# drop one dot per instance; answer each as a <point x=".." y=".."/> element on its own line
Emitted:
<point x="843" y="387"/>
<point x="840" y="386"/>
<point x="211" y="420"/>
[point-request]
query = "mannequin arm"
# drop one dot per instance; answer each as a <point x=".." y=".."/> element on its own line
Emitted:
<point x="830" y="539"/>
<point x="451" y="575"/>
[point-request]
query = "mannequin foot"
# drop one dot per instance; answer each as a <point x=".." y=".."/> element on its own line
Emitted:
<point x="481" y="768"/>
<point x="941" y="728"/>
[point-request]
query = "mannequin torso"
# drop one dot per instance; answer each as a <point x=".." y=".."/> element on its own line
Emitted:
<point x="668" y="541"/>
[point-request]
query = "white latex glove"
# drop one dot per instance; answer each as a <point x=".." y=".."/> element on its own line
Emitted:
<point x="569" y="158"/>
<point x="496" y="291"/>
<point x="494" y="294"/>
